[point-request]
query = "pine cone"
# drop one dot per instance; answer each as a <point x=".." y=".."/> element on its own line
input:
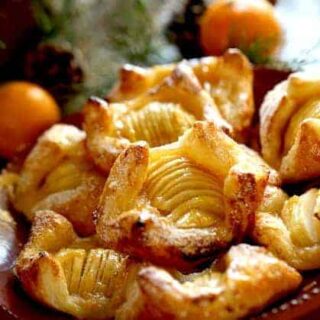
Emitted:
<point x="184" y="29"/>
<point x="54" y="68"/>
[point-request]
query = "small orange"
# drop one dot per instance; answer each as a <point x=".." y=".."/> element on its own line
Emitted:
<point x="250" y="25"/>
<point x="26" y="110"/>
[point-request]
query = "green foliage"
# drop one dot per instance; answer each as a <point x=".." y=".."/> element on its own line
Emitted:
<point x="306" y="59"/>
<point x="105" y="34"/>
<point x="134" y="43"/>
<point x="257" y="51"/>
<point x="53" y="20"/>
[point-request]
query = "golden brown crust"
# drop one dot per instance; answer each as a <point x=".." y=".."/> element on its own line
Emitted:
<point x="303" y="160"/>
<point x="290" y="228"/>
<point x="242" y="282"/>
<point x="58" y="176"/>
<point x="178" y="204"/>
<point x="228" y="79"/>
<point x="148" y="236"/>
<point x="70" y="274"/>
<point x="102" y="148"/>
<point x="290" y="128"/>
<point x="135" y="80"/>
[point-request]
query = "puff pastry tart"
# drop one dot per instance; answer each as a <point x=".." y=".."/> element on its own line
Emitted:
<point x="290" y="228"/>
<point x="290" y="127"/>
<point x="178" y="204"/>
<point x="57" y="175"/>
<point x="243" y="281"/>
<point x="228" y="79"/>
<point x="158" y="116"/>
<point x="72" y="274"/>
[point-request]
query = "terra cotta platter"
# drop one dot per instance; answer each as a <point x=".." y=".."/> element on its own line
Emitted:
<point x="15" y="304"/>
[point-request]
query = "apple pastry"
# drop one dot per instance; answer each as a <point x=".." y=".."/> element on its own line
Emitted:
<point x="228" y="79"/>
<point x="57" y="175"/>
<point x="243" y="281"/>
<point x="158" y="116"/>
<point x="290" y="127"/>
<point x="178" y="204"/>
<point x="290" y="228"/>
<point x="72" y="274"/>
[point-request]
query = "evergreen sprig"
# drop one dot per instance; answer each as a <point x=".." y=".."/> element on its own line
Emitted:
<point x="105" y="34"/>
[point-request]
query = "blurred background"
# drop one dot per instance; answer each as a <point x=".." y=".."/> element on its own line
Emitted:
<point x="74" y="48"/>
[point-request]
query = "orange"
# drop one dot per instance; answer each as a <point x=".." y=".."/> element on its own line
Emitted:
<point x="250" y="25"/>
<point x="26" y="110"/>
